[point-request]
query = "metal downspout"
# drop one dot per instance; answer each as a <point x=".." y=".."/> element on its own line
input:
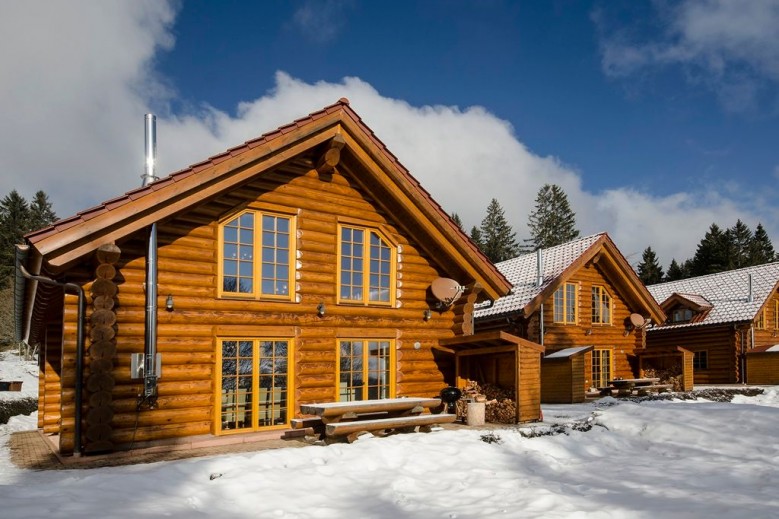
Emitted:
<point x="150" y="336"/>
<point x="539" y="282"/>
<point x="79" y="346"/>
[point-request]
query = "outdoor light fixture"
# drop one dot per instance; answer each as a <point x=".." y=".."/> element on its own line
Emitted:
<point x="588" y="331"/>
<point x="427" y="315"/>
<point x="320" y="309"/>
<point x="169" y="303"/>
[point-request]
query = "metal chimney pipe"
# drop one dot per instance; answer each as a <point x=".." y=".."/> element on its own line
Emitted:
<point x="750" y="296"/>
<point x="150" y="337"/>
<point x="540" y="267"/>
<point x="150" y="146"/>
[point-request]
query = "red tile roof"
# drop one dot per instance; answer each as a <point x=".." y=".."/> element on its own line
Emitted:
<point x="341" y="105"/>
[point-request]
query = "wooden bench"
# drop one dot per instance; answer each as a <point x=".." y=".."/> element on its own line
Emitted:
<point x="400" y="423"/>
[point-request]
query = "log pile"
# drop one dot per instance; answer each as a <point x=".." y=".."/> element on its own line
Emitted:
<point x="501" y="406"/>
<point x="671" y="375"/>
<point x="102" y="351"/>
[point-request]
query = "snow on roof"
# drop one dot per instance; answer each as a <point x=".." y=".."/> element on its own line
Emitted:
<point x="522" y="273"/>
<point x="567" y="352"/>
<point x="727" y="293"/>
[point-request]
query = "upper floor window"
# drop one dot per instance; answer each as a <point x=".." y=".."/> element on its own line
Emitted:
<point x="776" y="315"/>
<point x="681" y="315"/>
<point x="760" y="324"/>
<point x="565" y="304"/>
<point x="247" y="273"/>
<point x="365" y="266"/>
<point x="601" y="306"/>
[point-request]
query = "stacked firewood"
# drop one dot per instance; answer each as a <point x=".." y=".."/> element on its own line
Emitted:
<point x="500" y="404"/>
<point x="667" y="376"/>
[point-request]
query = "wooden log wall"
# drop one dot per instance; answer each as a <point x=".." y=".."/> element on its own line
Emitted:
<point x="188" y="270"/>
<point x="529" y="383"/>
<point x="722" y="344"/>
<point x="101" y="352"/>
<point x="560" y="336"/>
<point x="562" y="380"/>
<point x="763" y="368"/>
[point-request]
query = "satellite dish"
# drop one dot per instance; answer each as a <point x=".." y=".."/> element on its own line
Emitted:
<point x="446" y="290"/>
<point x="637" y="320"/>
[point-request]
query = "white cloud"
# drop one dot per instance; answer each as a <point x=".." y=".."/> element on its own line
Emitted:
<point x="732" y="47"/>
<point x="321" y="20"/>
<point x="76" y="93"/>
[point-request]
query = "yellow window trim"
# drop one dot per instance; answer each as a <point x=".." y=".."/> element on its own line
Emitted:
<point x="601" y="291"/>
<point x="564" y="290"/>
<point x="760" y="321"/>
<point x="365" y="301"/>
<point x="776" y="315"/>
<point x="257" y="259"/>
<point x="392" y="369"/>
<point x="611" y="362"/>
<point x="217" y="424"/>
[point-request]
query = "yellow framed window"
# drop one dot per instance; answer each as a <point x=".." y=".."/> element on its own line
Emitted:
<point x="602" y="365"/>
<point x="601" y="306"/>
<point x="760" y="323"/>
<point x="254" y="382"/>
<point x="776" y="315"/>
<point x="257" y="251"/>
<point x="365" y="369"/>
<point x="564" y="300"/>
<point x="366" y="267"/>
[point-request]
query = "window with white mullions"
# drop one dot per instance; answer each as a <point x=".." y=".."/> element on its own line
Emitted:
<point x="601" y="306"/>
<point x="564" y="304"/>
<point x="244" y="273"/>
<point x="601" y="367"/>
<point x="364" y="370"/>
<point x="366" y="267"/>
<point x="254" y="382"/>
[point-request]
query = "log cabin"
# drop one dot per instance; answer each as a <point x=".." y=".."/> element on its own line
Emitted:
<point x="721" y="318"/>
<point x="295" y="268"/>
<point x="584" y="303"/>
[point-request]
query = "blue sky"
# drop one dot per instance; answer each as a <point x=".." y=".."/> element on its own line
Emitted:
<point x="657" y="118"/>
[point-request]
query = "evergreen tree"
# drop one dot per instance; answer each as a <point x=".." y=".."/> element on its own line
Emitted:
<point x="713" y="253"/>
<point x="498" y="238"/>
<point x="676" y="272"/>
<point x="476" y="237"/>
<point x="761" y="249"/>
<point x="741" y="245"/>
<point x="14" y="223"/>
<point x="41" y="212"/>
<point x="456" y="219"/>
<point x="649" y="270"/>
<point x="552" y="222"/>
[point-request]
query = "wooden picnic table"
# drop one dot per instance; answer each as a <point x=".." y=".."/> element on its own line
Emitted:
<point x="351" y="418"/>
<point x="626" y="386"/>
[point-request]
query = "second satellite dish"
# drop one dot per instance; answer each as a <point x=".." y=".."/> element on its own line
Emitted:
<point x="637" y="320"/>
<point x="446" y="290"/>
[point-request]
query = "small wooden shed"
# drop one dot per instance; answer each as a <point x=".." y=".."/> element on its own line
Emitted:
<point x="763" y="365"/>
<point x="671" y="360"/>
<point x="562" y="375"/>
<point x="504" y="360"/>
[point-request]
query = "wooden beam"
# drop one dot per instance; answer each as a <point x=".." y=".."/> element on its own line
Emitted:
<point x="332" y="156"/>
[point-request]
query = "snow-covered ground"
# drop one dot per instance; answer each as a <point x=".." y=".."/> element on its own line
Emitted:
<point x="654" y="460"/>
<point x="12" y="367"/>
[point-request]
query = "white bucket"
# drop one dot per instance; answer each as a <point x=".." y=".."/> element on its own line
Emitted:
<point x="476" y="413"/>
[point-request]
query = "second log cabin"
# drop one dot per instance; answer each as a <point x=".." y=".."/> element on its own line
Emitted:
<point x="583" y="302"/>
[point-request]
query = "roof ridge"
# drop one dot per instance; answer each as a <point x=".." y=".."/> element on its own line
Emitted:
<point x="192" y="168"/>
